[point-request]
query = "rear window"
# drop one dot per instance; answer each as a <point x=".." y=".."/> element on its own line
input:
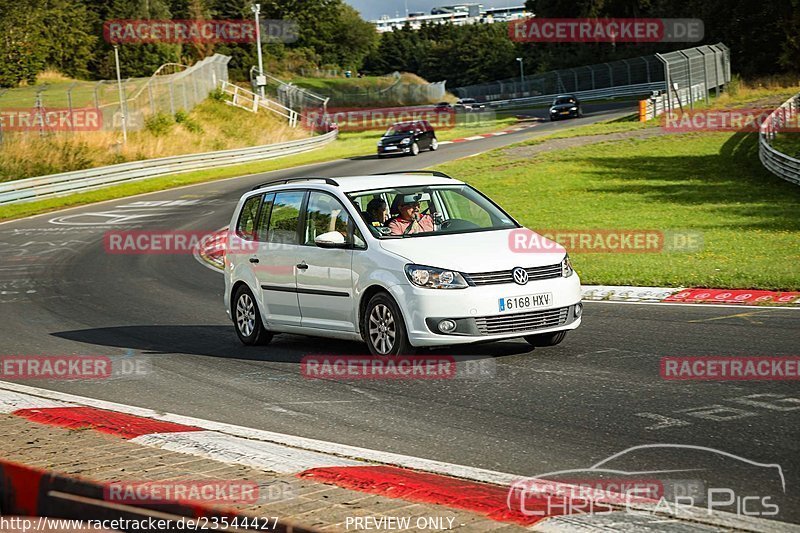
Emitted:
<point x="246" y="226"/>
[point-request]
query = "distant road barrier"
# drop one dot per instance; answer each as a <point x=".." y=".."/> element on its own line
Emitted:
<point x="780" y="164"/>
<point x="584" y="96"/>
<point x="38" y="188"/>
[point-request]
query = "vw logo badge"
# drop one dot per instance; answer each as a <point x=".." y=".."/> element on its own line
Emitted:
<point x="520" y="276"/>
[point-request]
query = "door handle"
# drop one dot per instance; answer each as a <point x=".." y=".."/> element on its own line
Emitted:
<point x="302" y="266"/>
<point x="254" y="259"/>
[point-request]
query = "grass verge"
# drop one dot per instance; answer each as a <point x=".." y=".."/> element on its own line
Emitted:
<point x="347" y="145"/>
<point x="711" y="183"/>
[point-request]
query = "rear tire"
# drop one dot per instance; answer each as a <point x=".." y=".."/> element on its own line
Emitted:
<point x="247" y="320"/>
<point x="383" y="327"/>
<point x="434" y="145"/>
<point x="546" y="339"/>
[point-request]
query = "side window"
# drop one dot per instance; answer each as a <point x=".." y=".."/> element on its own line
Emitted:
<point x="358" y="240"/>
<point x="246" y="226"/>
<point x="285" y="216"/>
<point x="262" y="228"/>
<point x="324" y="213"/>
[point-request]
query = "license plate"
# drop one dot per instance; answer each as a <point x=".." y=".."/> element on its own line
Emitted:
<point x="528" y="301"/>
<point x="390" y="148"/>
<point x="565" y="112"/>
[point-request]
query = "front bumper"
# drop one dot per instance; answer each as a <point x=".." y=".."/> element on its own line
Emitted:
<point x="475" y="311"/>
<point x="398" y="149"/>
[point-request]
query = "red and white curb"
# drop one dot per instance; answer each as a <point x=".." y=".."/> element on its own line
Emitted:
<point x="480" y="491"/>
<point x="480" y="136"/>
<point x="683" y="295"/>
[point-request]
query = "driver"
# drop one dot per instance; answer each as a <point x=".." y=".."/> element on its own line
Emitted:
<point x="409" y="219"/>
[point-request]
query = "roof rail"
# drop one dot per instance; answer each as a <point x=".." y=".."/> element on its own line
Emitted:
<point x="329" y="181"/>
<point x="436" y="173"/>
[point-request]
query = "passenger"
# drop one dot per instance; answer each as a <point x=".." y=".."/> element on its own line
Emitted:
<point x="377" y="212"/>
<point x="409" y="220"/>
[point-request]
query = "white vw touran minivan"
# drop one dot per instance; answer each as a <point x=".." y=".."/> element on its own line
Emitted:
<point x="398" y="261"/>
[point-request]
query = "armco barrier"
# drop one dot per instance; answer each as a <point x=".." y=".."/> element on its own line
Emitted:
<point x="29" y="491"/>
<point x="778" y="163"/>
<point x="30" y="189"/>
<point x="584" y="96"/>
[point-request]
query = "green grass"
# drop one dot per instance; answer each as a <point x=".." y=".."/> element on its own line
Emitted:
<point x="788" y="143"/>
<point x="712" y="183"/>
<point x="347" y="145"/>
<point x="344" y="85"/>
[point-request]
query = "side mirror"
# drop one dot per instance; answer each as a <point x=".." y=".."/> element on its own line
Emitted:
<point x="331" y="239"/>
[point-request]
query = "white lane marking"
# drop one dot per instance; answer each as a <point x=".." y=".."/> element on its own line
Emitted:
<point x="474" y="138"/>
<point x="445" y="142"/>
<point x="13" y="401"/>
<point x="258" y="454"/>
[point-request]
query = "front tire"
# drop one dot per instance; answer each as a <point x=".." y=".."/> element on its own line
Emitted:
<point x="383" y="327"/>
<point x="546" y="339"/>
<point x="247" y="319"/>
<point x="415" y="149"/>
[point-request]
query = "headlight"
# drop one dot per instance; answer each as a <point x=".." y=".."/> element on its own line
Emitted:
<point x="566" y="267"/>
<point x="406" y="140"/>
<point x="435" y="278"/>
<point x="552" y="109"/>
<point x="573" y="108"/>
<point x="380" y="143"/>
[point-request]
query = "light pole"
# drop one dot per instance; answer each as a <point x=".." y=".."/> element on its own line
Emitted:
<point x="121" y="98"/>
<point x="521" y="75"/>
<point x="256" y="8"/>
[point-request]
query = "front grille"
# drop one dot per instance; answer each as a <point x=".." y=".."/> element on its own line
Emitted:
<point x="505" y="276"/>
<point x="522" y="322"/>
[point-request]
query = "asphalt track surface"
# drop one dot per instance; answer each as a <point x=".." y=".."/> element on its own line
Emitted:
<point x="549" y="409"/>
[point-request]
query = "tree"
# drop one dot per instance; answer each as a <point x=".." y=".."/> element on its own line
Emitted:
<point x="68" y="30"/>
<point x="23" y="47"/>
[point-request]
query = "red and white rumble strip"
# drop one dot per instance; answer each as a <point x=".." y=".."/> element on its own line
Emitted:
<point x="476" y="490"/>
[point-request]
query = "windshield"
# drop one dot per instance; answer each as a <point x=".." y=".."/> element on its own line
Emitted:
<point x="399" y="128"/>
<point x="564" y="100"/>
<point x="427" y="210"/>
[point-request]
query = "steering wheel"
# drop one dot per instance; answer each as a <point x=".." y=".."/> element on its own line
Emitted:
<point x="455" y="224"/>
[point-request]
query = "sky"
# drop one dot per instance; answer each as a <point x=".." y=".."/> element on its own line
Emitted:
<point x="373" y="9"/>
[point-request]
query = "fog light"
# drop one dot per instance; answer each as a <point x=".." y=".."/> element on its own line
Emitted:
<point x="446" y="326"/>
<point x="578" y="310"/>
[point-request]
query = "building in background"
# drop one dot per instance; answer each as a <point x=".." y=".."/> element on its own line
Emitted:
<point x="457" y="14"/>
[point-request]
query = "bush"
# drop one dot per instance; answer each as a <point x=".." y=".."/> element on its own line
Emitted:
<point x="159" y="124"/>
<point x="183" y="118"/>
<point x="217" y="95"/>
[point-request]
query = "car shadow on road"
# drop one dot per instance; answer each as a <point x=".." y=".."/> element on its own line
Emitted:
<point x="221" y="341"/>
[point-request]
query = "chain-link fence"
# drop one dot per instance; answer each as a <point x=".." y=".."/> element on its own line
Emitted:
<point x="95" y="106"/>
<point x="640" y="70"/>
<point x="703" y="66"/>
<point x="690" y="74"/>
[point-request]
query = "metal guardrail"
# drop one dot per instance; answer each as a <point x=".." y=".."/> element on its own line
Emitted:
<point x="30" y="189"/>
<point x="585" y="96"/>
<point x="780" y="164"/>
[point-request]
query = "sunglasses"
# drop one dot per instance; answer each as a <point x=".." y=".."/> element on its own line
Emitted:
<point x="415" y="205"/>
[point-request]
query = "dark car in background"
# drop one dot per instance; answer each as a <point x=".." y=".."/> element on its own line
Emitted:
<point x="565" y="106"/>
<point x="468" y="104"/>
<point x="443" y="106"/>
<point x="408" y="138"/>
